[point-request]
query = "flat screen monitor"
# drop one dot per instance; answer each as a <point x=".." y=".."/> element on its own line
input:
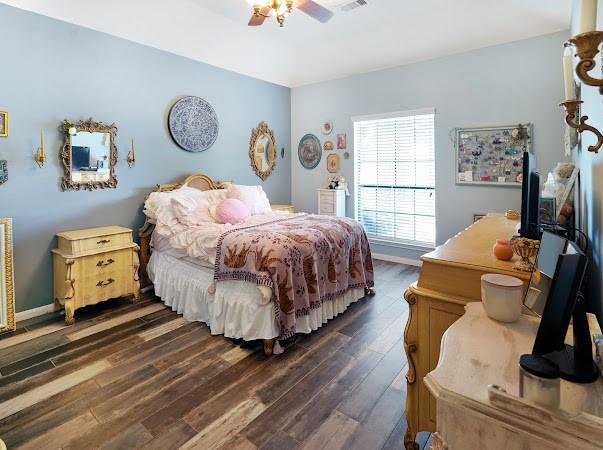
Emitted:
<point x="551" y="246"/>
<point x="529" y="165"/>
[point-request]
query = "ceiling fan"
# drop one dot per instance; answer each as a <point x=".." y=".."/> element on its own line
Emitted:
<point x="283" y="8"/>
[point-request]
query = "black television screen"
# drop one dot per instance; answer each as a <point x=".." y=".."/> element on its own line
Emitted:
<point x="530" y="198"/>
<point x="80" y="157"/>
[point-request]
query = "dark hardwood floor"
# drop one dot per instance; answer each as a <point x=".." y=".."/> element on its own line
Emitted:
<point x="128" y="376"/>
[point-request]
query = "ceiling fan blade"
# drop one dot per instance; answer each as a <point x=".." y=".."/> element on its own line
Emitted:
<point x="258" y="19"/>
<point x="313" y="9"/>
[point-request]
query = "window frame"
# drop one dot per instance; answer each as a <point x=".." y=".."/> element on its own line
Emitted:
<point x="380" y="239"/>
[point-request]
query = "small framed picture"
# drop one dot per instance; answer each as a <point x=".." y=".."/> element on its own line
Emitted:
<point x="341" y="141"/>
<point x="3" y="124"/>
<point x="327" y="127"/>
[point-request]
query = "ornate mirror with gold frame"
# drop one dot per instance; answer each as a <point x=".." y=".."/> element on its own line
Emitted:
<point x="7" y="290"/>
<point x="262" y="150"/>
<point x="89" y="155"/>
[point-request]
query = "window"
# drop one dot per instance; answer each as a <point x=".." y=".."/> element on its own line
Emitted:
<point x="395" y="176"/>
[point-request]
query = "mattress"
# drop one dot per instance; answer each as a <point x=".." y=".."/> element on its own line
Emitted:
<point x="237" y="309"/>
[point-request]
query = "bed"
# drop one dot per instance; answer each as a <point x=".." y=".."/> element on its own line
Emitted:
<point x="268" y="278"/>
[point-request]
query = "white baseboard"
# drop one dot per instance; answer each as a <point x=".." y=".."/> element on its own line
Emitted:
<point x="398" y="259"/>
<point x="34" y="312"/>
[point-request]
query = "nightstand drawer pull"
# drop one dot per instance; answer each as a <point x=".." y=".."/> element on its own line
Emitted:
<point x="102" y="263"/>
<point x="104" y="241"/>
<point x="105" y="283"/>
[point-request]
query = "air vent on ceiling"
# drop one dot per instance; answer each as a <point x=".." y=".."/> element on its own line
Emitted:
<point x="348" y="6"/>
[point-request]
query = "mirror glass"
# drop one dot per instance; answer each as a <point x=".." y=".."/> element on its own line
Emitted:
<point x="7" y="291"/>
<point x="3" y="280"/>
<point x="262" y="150"/>
<point x="551" y="246"/>
<point x="90" y="155"/>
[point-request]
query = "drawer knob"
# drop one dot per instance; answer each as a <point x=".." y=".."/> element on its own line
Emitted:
<point x="102" y="263"/>
<point x="105" y="283"/>
<point x="104" y="241"/>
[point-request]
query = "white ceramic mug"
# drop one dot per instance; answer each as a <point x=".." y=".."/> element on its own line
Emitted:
<point x="502" y="296"/>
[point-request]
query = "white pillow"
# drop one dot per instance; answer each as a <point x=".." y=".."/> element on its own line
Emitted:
<point x="253" y="196"/>
<point x="159" y="203"/>
<point x="195" y="210"/>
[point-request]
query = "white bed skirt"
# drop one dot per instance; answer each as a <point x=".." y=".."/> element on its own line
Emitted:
<point x="237" y="309"/>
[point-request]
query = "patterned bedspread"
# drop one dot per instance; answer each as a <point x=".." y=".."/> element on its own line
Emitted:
<point x="305" y="259"/>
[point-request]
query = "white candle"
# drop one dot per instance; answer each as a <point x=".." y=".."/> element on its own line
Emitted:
<point x="587" y="16"/>
<point x="568" y="75"/>
<point x="42" y="139"/>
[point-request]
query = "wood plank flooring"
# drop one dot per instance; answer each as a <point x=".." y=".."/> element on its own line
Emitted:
<point x="139" y="376"/>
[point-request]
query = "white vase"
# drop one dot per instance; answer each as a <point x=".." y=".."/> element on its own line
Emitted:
<point x="502" y="296"/>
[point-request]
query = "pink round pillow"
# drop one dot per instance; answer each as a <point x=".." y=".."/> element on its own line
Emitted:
<point x="232" y="211"/>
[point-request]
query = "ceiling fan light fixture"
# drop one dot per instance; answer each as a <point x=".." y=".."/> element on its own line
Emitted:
<point x="283" y="9"/>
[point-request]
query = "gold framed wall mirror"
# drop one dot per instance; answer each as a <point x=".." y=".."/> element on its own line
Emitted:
<point x="89" y="155"/>
<point x="262" y="150"/>
<point x="7" y="289"/>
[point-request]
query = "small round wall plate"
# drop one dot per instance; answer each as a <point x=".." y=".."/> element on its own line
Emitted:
<point x="327" y="127"/>
<point x="346" y="155"/>
<point x="193" y="124"/>
<point x="328" y="145"/>
<point x="309" y="151"/>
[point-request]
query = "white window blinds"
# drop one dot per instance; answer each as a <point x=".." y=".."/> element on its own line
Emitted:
<point x="395" y="176"/>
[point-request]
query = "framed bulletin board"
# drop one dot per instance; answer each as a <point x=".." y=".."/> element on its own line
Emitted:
<point x="491" y="156"/>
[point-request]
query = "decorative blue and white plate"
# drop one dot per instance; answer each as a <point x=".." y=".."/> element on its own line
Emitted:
<point x="193" y="124"/>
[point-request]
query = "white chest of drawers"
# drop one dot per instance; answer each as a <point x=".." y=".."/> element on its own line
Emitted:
<point x="331" y="202"/>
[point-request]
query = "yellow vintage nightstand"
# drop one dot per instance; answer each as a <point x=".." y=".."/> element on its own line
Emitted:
<point x="94" y="265"/>
<point x="287" y="208"/>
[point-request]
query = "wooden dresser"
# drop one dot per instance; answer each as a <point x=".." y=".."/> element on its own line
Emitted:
<point x="476" y="383"/>
<point x="449" y="279"/>
<point x="94" y="265"/>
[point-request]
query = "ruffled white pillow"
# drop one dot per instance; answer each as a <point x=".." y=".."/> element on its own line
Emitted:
<point x="196" y="210"/>
<point x="158" y="207"/>
<point x="253" y="196"/>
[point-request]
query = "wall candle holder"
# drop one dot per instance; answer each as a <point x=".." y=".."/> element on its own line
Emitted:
<point x="587" y="47"/>
<point x="131" y="158"/>
<point x="571" y="109"/>
<point x="40" y="156"/>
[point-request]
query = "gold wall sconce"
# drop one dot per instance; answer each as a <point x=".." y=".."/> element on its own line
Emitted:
<point x="572" y="109"/>
<point x="40" y="156"/>
<point x="131" y="158"/>
<point x="586" y="47"/>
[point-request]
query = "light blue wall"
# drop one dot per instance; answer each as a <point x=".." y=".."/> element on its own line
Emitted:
<point x="50" y="70"/>
<point x="591" y="185"/>
<point x="506" y="84"/>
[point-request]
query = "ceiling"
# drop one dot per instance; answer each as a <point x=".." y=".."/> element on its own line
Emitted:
<point x="382" y="34"/>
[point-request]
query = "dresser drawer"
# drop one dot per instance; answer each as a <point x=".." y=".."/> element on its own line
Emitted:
<point x="94" y="239"/>
<point x="103" y="263"/>
<point x="327" y="208"/>
<point x="97" y="288"/>
<point x="101" y="242"/>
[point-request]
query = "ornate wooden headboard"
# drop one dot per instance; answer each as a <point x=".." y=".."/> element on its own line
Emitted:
<point x="197" y="181"/>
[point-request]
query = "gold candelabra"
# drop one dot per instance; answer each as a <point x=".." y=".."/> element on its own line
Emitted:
<point x="572" y="113"/>
<point x="586" y="47"/>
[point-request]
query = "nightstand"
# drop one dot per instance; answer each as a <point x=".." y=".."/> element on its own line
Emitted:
<point x="331" y="202"/>
<point x="287" y="208"/>
<point x="94" y="265"/>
